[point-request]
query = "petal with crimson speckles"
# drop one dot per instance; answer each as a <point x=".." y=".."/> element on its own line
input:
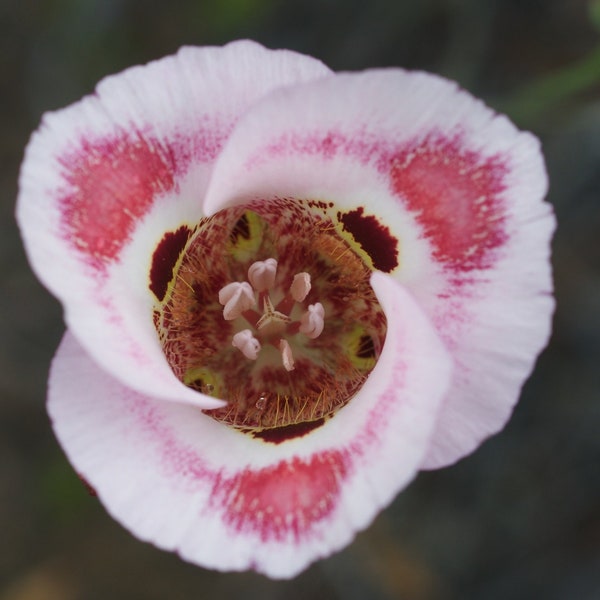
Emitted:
<point x="161" y="469"/>
<point x="431" y="186"/>
<point x="107" y="179"/>
<point x="412" y="217"/>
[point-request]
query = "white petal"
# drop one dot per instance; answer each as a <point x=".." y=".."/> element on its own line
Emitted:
<point x="430" y="186"/>
<point x="114" y="179"/>
<point x="177" y="478"/>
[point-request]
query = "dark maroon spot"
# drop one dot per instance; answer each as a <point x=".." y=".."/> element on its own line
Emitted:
<point x="285" y="499"/>
<point x="319" y="204"/>
<point x="455" y="195"/>
<point x="366" y="347"/>
<point x="277" y="435"/>
<point x="164" y="258"/>
<point x="373" y="237"/>
<point x="240" y="230"/>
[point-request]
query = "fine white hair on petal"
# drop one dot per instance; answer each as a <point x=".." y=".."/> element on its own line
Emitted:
<point x="107" y="180"/>
<point x="177" y="478"/>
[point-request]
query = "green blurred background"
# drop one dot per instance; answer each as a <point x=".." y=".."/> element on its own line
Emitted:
<point x="519" y="519"/>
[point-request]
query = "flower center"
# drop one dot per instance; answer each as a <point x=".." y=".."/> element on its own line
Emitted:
<point x="270" y="309"/>
<point x="239" y="298"/>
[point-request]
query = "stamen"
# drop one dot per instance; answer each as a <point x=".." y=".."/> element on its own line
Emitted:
<point x="300" y="286"/>
<point x="286" y="355"/>
<point x="236" y="298"/>
<point x="247" y="344"/>
<point x="313" y="321"/>
<point x="261" y="274"/>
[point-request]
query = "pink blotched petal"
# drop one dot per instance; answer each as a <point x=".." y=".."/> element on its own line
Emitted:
<point x="225" y="500"/>
<point x="433" y="188"/>
<point x="112" y="186"/>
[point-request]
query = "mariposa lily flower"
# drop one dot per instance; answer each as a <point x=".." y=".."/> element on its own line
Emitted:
<point x="286" y="290"/>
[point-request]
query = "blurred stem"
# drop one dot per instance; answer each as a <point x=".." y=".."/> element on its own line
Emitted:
<point x="534" y="101"/>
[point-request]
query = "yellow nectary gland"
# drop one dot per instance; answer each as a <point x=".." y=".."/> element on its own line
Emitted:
<point x="326" y="371"/>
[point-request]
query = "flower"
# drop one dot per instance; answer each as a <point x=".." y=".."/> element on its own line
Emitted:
<point x="286" y="292"/>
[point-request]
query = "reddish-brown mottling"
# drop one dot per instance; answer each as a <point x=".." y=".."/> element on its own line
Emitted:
<point x="164" y="258"/>
<point x="285" y="500"/>
<point x="112" y="183"/>
<point x="319" y="204"/>
<point x="373" y="237"/>
<point x="196" y="340"/>
<point x="456" y="196"/>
